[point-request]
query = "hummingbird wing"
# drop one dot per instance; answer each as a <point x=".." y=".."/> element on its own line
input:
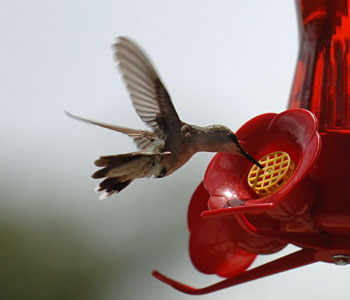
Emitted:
<point x="142" y="138"/>
<point x="149" y="96"/>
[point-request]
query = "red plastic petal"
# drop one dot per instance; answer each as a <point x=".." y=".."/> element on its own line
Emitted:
<point x="198" y="203"/>
<point x="218" y="254"/>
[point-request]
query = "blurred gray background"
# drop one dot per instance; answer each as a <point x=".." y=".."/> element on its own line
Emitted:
<point x="222" y="62"/>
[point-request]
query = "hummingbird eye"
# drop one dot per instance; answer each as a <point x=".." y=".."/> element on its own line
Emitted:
<point x="234" y="138"/>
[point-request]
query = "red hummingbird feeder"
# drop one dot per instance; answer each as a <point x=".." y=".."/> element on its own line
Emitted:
<point x="301" y="196"/>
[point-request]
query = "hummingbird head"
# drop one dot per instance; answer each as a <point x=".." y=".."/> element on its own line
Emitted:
<point x="224" y="140"/>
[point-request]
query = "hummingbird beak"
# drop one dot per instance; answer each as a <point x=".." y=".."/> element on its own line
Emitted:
<point x="247" y="156"/>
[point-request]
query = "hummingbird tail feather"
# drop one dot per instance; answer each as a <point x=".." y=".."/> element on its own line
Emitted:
<point x="111" y="186"/>
<point x="120" y="170"/>
<point x="119" y="159"/>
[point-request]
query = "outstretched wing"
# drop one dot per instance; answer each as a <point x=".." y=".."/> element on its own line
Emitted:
<point x="142" y="138"/>
<point x="149" y="96"/>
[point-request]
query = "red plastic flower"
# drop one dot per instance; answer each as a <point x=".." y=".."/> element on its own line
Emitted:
<point x="293" y="131"/>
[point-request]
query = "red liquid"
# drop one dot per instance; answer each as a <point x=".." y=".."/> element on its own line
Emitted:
<point x="322" y="85"/>
<point x="322" y="81"/>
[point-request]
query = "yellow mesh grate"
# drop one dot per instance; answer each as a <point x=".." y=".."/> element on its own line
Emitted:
<point x="278" y="167"/>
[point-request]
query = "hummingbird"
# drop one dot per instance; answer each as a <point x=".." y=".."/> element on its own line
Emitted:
<point x="169" y="144"/>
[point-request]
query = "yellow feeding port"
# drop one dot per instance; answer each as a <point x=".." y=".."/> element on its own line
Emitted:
<point x="278" y="167"/>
